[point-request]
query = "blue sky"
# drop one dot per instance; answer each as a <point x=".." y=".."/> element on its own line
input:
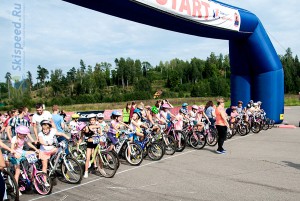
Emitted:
<point x="58" y="34"/>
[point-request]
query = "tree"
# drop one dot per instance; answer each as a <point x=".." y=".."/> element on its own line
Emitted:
<point x="8" y="82"/>
<point x="29" y="80"/>
<point x="42" y="74"/>
<point x="55" y="81"/>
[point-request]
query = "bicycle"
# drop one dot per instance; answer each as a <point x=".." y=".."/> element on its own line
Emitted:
<point x="195" y="139"/>
<point x="69" y="167"/>
<point x="104" y="159"/>
<point x="33" y="177"/>
<point x="151" y="148"/>
<point x="170" y="131"/>
<point x="130" y="151"/>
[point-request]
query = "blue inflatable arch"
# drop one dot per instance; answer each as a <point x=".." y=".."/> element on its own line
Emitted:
<point x="256" y="71"/>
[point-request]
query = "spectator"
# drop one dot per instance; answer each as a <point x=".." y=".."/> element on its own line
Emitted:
<point x="133" y="106"/>
<point x="221" y="125"/>
<point x="210" y="112"/>
<point x="126" y="113"/>
<point x="38" y="117"/>
<point x="16" y="121"/>
<point x="58" y="119"/>
<point x="63" y="114"/>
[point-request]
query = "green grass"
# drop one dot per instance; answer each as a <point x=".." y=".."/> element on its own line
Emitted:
<point x="290" y="100"/>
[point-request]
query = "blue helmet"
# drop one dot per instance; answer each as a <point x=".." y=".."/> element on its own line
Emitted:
<point x="116" y="113"/>
<point x="185" y="105"/>
<point x="138" y="112"/>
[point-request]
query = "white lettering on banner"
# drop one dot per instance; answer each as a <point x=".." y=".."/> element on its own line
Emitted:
<point x="201" y="11"/>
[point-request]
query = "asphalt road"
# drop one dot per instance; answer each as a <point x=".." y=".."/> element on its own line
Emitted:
<point x="264" y="166"/>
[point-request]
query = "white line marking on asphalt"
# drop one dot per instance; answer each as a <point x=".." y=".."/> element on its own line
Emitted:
<point x="137" y="167"/>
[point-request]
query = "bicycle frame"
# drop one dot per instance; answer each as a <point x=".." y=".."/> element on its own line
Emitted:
<point x="60" y="154"/>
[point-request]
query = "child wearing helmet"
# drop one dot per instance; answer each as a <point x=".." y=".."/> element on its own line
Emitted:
<point x="178" y="125"/>
<point x="87" y="133"/>
<point x="115" y="125"/>
<point x="17" y="144"/>
<point x="47" y="138"/>
<point x="165" y="113"/>
<point x="135" y="125"/>
<point x="103" y="125"/>
<point x="73" y="122"/>
<point x="201" y="118"/>
<point x="193" y="114"/>
<point x="233" y="115"/>
<point x="185" y="108"/>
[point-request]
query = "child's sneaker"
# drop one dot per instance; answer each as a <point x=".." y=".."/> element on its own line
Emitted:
<point x="86" y="174"/>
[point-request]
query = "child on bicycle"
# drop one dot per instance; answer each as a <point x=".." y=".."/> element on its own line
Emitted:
<point x="201" y="118"/>
<point x="17" y="144"/>
<point x="178" y="125"/>
<point x="87" y="132"/>
<point x="47" y="137"/>
<point x="115" y="125"/>
<point x="103" y="127"/>
<point x="72" y="126"/>
<point x="135" y="125"/>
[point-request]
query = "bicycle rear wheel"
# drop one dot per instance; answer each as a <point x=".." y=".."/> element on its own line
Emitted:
<point x="71" y="170"/>
<point x="256" y="127"/>
<point x="107" y="163"/>
<point x="12" y="188"/>
<point x="42" y="183"/>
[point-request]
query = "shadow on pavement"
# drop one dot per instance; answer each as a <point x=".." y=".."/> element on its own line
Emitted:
<point x="291" y="164"/>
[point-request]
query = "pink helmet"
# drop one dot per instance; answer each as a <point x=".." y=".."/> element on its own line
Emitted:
<point x="166" y="105"/>
<point x="80" y="126"/>
<point x="195" y="107"/>
<point x="23" y="130"/>
<point x="200" y="110"/>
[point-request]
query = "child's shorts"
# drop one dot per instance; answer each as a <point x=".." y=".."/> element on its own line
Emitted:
<point x="45" y="155"/>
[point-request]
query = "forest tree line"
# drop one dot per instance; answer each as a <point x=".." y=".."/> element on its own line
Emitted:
<point x="132" y="79"/>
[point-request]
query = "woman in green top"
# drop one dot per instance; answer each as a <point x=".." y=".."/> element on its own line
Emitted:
<point x="126" y="113"/>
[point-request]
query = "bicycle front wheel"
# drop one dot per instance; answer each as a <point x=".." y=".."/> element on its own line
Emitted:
<point x="212" y="137"/>
<point x="71" y="170"/>
<point x="155" y="151"/>
<point x="197" y="140"/>
<point x="42" y="183"/>
<point x="134" y="154"/>
<point x="170" y="144"/>
<point x="107" y="164"/>
<point x="12" y="188"/>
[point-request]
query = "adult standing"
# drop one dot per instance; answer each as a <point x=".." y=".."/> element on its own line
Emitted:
<point x="59" y="123"/>
<point x="38" y="117"/>
<point x="16" y="121"/>
<point x="221" y="125"/>
<point x="126" y="113"/>
<point x="58" y="119"/>
<point x="133" y="106"/>
<point x="210" y="112"/>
